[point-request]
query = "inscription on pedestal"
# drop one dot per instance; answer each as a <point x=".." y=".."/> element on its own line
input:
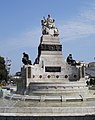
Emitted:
<point x="45" y="47"/>
<point x="52" y="69"/>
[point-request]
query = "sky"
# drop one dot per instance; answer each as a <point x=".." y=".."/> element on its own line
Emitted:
<point x="20" y="28"/>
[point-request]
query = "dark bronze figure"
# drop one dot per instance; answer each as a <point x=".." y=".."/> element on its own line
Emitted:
<point x="70" y="60"/>
<point x="25" y="59"/>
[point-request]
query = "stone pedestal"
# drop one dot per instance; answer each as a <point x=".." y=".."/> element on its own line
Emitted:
<point x="51" y="74"/>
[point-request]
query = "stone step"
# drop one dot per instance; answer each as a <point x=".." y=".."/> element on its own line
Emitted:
<point x="79" y="113"/>
<point x="58" y="88"/>
<point x="56" y="92"/>
<point x="59" y="84"/>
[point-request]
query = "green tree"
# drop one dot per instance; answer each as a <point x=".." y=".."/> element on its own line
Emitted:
<point x="3" y="71"/>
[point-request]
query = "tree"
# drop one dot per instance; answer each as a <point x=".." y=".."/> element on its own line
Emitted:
<point x="3" y="71"/>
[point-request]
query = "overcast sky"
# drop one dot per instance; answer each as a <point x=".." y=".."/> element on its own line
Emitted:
<point x="20" y="28"/>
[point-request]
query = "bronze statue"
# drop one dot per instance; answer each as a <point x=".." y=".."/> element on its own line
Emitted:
<point x="48" y="26"/>
<point x="70" y="60"/>
<point x="25" y="59"/>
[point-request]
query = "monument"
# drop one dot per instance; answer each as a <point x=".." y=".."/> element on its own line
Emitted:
<point x="52" y="88"/>
<point x="51" y="75"/>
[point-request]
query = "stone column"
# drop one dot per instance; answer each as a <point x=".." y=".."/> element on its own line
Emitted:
<point x="83" y="71"/>
<point x="80" y="72"/>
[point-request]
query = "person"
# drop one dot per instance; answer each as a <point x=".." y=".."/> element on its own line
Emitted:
<point x="70" y="60"/>
<point x="56" y="32"/>
<point x="49" y="19"/>
<point x="53" y="24"/>
<point x="44" y="21"/>
<point x="25" y="59"/>
<point x="25" y="56"/>
<point x="50" y="22"/>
